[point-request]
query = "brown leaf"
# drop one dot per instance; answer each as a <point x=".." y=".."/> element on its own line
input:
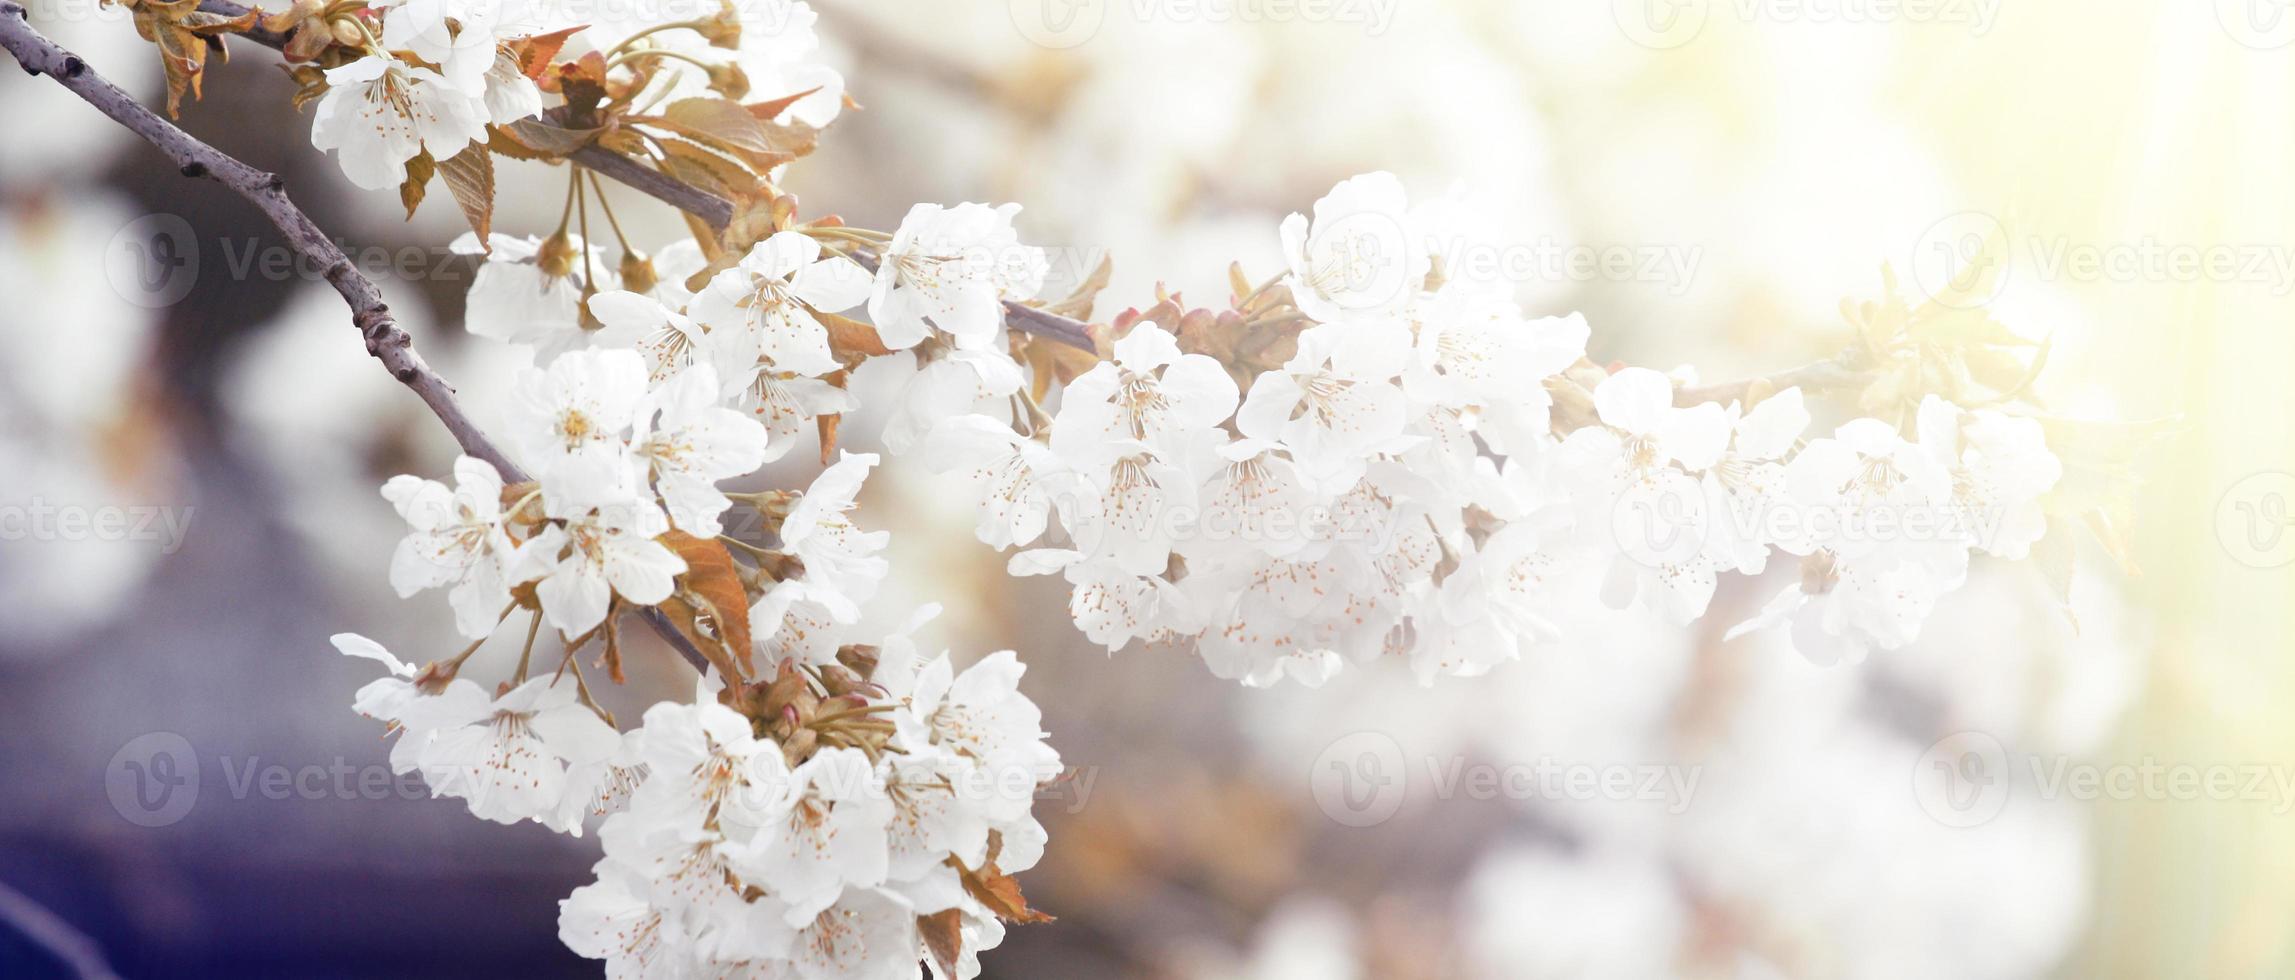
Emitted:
<point x="470" y="176"/>
<point x="708" y="169"/>
<point x="827" y="426"/>
<point x="1049" y="361"/>
<point x="418" y="171"/>
<point x="723" y="125"/>
<point x="943" y="934"/>
<point x="1077" y="305"/>
<point x="543" y="140"/>
<point x="713" y="582"/>
<point x="534" y="53"/>
<point x="851" y="340"/>
<point x="771" y="110"/>
<point x="1001" y="893"/>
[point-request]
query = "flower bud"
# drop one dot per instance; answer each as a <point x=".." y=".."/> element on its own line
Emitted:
<point x="638" y="273"/>
<point x="557" y="255"/>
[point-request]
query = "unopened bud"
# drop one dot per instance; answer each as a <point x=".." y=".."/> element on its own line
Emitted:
<point x="557" y="256"/>
<point x="860" y="659"/>
<point x="729" y="80"/>
<point x="638" y="273"/>
<point x="723" y="29"/>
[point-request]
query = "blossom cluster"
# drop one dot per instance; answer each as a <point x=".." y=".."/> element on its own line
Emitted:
<point x="847" y="809"/>
<point x="427" y="78"/>
<point x="1404" y="485"/>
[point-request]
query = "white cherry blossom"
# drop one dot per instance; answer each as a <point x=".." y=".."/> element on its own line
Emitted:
<point x="950" y="269"/>
<point x="1358" y="257"/>
<point x="458" y="539"/>
<point x="379" y="112"/>
<point x="690" y="442"/>
<point x="764" y="308"/>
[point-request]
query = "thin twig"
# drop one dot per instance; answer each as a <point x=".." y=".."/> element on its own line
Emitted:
<point x="267" y="192"/>
<point x="1839" y="372"/>
<point x="717" y="211"/>
<point x="385" y="340"/>
<point x="71" y="948"/>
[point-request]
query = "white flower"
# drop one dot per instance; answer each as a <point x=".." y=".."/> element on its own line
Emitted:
<point x="1252" y="498"/>
<point x="379" y="112"/>
<point x="1014" y="478"/>
<point x="1748" y="482"/>
<point x="1628" y="475"/>
<point x="523" y="296"/>
<point x="788" y="404"/>
<point x="464" y="39"/>
<point x="669" y="342"/>
<point x="952" y="269"/>
<point x="505" y="757"/>
<point x="1150" y="393"/>
<point x="610" y="919"/>
<point x="765" y="307"/>
<point x="1134" y="511"/>
<point x="1476" y="350"/>
<point x="952" y="385"/>
<point x="981" y="718"/>
<point x="807" y="616"/>
<point x="691" y="443"/>
<point x="458" y="540"/>
<point x="934" y="817"/>
<point x="610" y="549"/>
<point x="2000" y="466"/>
<point x="828" y="836"/>
<point x="384" y="698"/>
<point x="1842" y="610"/>
<point x="572" y="420"/>
<point x="1333" y="405"/>
<point x="866" y="934"/>
<point x="705" y="758"/>
<point x="817" y="531"/>
<point x="1868" y="496"/>
<point x="1358" y="257"/>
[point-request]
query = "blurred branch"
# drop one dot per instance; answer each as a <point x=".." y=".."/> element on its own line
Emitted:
<point x="717" y="211"/>
<point x="51" y="934"/>
<point x="1837" y="373"/>
<point x="386" y="341"/>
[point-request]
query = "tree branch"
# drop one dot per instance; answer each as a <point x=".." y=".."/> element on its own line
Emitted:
<point x="717" y="211"/>
<point x="385" y="340"/>
<point x="1839" y="372"/>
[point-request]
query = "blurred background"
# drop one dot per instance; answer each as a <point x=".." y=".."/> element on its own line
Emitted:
<point x="189" y="464"/>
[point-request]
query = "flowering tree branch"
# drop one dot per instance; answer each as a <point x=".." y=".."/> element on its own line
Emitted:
<point x="386" y="340"/>
<point x="710" y="208"/>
